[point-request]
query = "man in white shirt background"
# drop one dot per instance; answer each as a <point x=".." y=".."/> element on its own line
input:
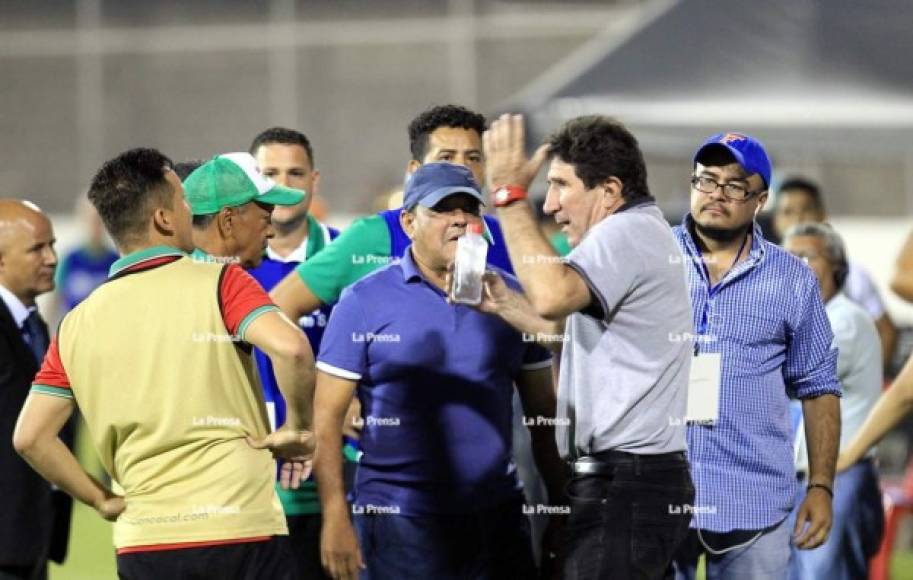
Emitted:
<point x="858" y="517"/>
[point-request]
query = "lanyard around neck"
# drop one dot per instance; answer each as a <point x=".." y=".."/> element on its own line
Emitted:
<point x="712" y="290"/>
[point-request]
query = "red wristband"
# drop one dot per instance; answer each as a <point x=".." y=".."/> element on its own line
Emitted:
<point x="505" y="195"/>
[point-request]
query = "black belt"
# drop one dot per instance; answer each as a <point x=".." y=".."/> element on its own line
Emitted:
<point x="605" y="462"/>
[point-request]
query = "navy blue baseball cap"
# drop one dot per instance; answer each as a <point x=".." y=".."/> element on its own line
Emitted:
<point x="432" y="182"/>
<point x="748" y="152"/>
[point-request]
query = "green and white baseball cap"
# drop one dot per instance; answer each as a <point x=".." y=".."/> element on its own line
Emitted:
<point x="231" y="180"/>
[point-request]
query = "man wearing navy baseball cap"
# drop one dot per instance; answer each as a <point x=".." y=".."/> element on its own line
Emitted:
<point x="436" y="492"/>
<point x="761" y="337"/>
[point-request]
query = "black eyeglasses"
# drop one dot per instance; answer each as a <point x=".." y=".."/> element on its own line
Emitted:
<point x="731" y="191"/>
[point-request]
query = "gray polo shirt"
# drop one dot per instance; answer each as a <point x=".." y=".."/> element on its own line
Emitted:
<point x="624" y="371"/>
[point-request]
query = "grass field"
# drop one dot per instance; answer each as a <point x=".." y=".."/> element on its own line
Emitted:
<point x="91" y="553"/>
<point x="92" y="557"/>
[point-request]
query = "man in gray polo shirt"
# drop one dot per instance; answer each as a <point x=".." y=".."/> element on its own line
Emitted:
<point x="623" y="302"/>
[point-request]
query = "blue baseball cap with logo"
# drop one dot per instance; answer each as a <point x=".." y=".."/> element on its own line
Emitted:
<point x="748" y="152"/>
<point x="432" y="182"/>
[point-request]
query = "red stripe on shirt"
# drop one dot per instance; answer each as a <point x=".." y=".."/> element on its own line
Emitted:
<point x="52" y="372"/>
<point x="150" y="263"/>
<point x="188" y="545"/>
<point x="240" y="295"/>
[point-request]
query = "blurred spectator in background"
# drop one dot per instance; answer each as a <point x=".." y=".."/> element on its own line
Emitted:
<point x="858" y="513"/>
<point x="27" y="262"/>
<point x="800" y="201"/>
<point x="762" y="336"/>
<point x="902" y="283"/>
<point x="82" y="270"/>
<point x="392" y="198"/>
<point x="287" y="157"/>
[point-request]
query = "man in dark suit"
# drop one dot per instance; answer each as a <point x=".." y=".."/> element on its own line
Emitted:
<point x="27" y="504"/>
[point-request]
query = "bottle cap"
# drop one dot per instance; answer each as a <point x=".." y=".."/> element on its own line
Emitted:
<point x="475" y="229"/>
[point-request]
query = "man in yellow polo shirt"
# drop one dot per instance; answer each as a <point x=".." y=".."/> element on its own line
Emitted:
<point x="158" y="360"/>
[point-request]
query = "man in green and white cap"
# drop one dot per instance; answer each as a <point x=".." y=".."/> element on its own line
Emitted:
<point x="231" y="203"/>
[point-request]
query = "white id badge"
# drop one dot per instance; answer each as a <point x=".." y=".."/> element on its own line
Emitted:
<point x="704" y="389"/>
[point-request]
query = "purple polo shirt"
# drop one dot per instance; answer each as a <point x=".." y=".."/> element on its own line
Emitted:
<point x="435" y="382"/>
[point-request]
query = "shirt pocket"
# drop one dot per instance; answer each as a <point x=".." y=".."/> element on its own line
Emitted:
<point x="759" y="336"/>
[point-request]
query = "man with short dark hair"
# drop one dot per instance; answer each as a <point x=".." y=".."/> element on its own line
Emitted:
<point x="444" y="133"/>
<point x="763" y="336"/>
<point x="620" y="296"/>
<point x="170" y="399"/>
<point x="287" y="157"/>
<point x="800" y="201"/>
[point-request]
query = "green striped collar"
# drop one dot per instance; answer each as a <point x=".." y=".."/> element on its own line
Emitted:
<point x="198" y="255"/>
<point x="143" y="255"/>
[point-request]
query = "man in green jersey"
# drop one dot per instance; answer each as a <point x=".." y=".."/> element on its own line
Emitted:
<point x="445" y="133"/>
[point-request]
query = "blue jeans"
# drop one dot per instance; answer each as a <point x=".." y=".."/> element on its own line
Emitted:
<point x="488" y="545"/>
<point x="856" y="532"/>
<point x="765" y="558"/>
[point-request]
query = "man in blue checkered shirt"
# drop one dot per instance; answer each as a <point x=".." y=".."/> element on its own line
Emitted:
<point x="762" y="336"/>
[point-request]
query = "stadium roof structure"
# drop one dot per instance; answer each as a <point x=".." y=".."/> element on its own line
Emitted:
<point x="832" y="78"/>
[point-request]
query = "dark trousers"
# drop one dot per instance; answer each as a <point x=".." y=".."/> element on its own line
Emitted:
<point x="492" y="544"/>
<point x="265" y="560"/>
<point x="627" y="520"/>
<point x="304" y="541"/>
<point x="38" y="571"/>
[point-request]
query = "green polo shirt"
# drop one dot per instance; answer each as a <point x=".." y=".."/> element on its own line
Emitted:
<point x="361" y="249"/>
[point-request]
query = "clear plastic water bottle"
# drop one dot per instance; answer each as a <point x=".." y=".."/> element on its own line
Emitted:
<point x="469" y="266"/>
